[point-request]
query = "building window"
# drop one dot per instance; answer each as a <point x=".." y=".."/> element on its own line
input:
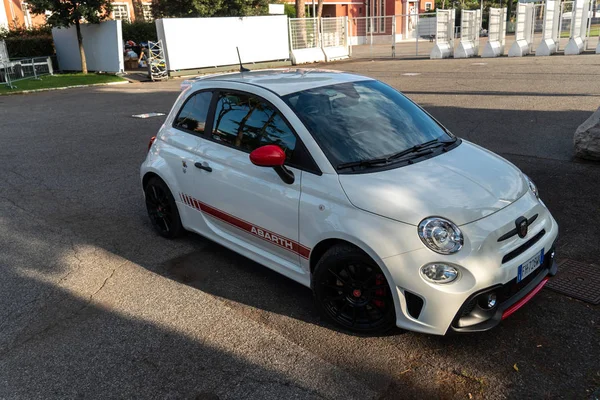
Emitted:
<point x="376" y="9"/>
<point x="121" y="11"/>
<point x="428" y="6"/>
<point x="147" y="10"/>
<point x="26" y="15"/>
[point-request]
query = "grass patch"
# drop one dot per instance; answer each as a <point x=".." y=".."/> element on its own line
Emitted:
<point x="594" y="33"/>
<point x="59" y="81"/>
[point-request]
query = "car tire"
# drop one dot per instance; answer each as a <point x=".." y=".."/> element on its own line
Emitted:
<point x="162" y="209"/>
<point x="351" y="291"/>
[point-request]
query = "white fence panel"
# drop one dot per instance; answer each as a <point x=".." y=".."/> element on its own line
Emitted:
<point x="469" y="34"/>
<point x="444" y="34"/>
<point x="191" y="43"/>
<point x="496" y="33"/>
<point x="305" y="40"/>
<point x="551" y="28"/>
<point x="523" y="31"/>
<point x="334" y="40"/>
<point x="103" y="45"/>
<point x="579" y="26"/>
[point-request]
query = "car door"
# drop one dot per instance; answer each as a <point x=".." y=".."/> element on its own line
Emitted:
<point x="244" y="204"/>
<point x="181" y="151"/>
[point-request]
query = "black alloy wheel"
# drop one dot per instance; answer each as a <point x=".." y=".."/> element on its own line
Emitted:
<point x="352" y="291"/>
<point x="162" y="209"/>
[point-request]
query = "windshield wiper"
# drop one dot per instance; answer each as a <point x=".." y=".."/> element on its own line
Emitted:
<point x="362" y="163"/>
<point x="419" y="149"/>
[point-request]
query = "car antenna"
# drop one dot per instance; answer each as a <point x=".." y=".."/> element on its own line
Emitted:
<point x="242" y="68"/>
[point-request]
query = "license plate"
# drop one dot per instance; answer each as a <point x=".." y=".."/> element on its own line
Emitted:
<point x="529" y="266"/>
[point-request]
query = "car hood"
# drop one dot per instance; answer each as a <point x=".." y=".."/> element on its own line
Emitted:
<point x="465" y="184"/>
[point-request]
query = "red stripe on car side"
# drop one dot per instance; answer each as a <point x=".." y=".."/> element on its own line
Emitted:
<point x="261" y="233"/>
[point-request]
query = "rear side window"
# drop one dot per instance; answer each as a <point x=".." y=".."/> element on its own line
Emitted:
<point x="192" y="116"/>
<point x="247" y="122"/>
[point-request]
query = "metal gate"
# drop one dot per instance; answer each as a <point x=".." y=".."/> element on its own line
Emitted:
<point x="537" y="27"/>
<point x="593" y="30"/>
<point x="393" y="36"/>
<point x="27" y="68"/>
<point x="304" y="33"/>
<point x="565" y="24"/>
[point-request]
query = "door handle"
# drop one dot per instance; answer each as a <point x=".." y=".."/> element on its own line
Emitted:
<point x="203" y="166"/>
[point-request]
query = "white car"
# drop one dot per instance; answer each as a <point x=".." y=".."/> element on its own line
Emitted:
<point x="343" y="184"/>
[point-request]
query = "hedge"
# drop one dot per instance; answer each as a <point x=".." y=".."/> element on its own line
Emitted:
<point x="139" y="31"/>
<point x="20" y="47"/>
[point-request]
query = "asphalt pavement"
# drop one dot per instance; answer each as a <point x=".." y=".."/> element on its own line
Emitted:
<point x="95" y="305"/>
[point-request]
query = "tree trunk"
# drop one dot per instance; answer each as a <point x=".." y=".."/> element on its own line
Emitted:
<point x="138" y="10"/>
<point x="319" y="9"/>
<point x="300" y="9"/>
<point x="240" y="132"/>
<point x="81" y="52"/>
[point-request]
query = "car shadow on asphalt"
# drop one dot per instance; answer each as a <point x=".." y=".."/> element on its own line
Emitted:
<point x="223" y="273"/>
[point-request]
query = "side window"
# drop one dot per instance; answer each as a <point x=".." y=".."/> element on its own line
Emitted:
<point x="192" y="116"/>
<point x="247" y="123"/>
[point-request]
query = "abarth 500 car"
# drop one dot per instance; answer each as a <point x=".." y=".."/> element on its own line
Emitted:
<point x="345" y="185"/>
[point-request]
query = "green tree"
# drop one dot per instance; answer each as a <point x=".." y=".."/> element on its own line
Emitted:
<point x="208" y="8"/>
<point x="65" y="13"/>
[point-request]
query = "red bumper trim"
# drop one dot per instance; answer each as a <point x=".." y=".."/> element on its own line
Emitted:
<point x="510" y="310"/>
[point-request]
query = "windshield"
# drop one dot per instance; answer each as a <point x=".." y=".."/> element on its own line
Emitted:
<point x="360" y="121"/>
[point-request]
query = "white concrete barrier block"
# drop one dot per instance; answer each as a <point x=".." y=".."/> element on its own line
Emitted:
<point x="335" y="53"/>
<point x="598" y="48"/>
<point x="574" y="47"/>
<point x="441" y="50"/>
<point x="492" y="49"/>
<point x="304" y="56"/>
<point x="465" y="49"/>
<point x="519" y="48"/>
<point x="546" y="48"/>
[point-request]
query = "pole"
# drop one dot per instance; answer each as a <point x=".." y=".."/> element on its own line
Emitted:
<point x="314" y="15"/>
<point x="481" y="21"/>
<point x="416" y="25"/>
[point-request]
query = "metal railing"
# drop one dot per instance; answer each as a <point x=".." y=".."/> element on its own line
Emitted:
<point x="304" y="33"/>
<point x="403" y="35"/>
<point x="12" y="71"/>
<point x="333" y="31"/>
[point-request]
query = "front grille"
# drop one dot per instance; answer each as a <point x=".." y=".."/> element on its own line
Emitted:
<point x="523" y="248"/>
<point x="513" y="287"/>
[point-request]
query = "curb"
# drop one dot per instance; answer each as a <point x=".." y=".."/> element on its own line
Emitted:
<point x="63" y="88"/>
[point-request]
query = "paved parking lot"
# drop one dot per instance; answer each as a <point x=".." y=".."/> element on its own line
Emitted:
<point x="95" y="305"/>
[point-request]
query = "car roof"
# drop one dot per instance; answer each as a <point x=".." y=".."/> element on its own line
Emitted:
<point x="285" y="81"/>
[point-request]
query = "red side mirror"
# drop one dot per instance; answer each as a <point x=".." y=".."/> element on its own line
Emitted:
<point x="268" y="156"/>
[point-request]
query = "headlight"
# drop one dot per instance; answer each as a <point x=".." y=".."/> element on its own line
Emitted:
<point x="532" y="186"/>
<point x="439" y="273"/>
<point x="440" y="235"/>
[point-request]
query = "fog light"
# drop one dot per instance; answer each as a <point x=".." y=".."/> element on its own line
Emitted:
<point x="439" y="273"/>
<point x="488" y="301"/>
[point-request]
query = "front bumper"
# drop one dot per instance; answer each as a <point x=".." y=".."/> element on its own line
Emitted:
<point x="473" y="318"/>
<point x="485" y="263"/>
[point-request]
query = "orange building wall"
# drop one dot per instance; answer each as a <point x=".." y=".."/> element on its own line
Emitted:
<point x="18" y="19"/>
